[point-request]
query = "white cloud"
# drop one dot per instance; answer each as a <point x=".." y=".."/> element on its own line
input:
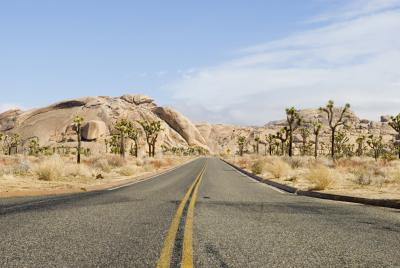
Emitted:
<point x="356" y="61"/>
<point x="356" y="8"/>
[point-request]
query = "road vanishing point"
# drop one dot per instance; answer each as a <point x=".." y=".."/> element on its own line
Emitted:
<point x="202" y="214"/>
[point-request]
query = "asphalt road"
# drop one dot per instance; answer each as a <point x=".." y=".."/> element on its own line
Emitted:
<point x="225" y="220"/>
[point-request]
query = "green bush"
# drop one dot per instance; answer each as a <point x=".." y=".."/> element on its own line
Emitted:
<point x="257" y="167"/>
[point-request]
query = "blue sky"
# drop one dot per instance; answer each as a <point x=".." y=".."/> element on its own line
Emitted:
<point x="221" y="61"/>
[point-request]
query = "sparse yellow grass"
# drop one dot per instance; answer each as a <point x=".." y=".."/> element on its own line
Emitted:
<point x="357" y="176"/>
<point x="129" y="170"/>
<point x="49" y="169"/>
<point x="320" y="177"/>
<point x="29" y="173"/>
<point x="277" y="168"/>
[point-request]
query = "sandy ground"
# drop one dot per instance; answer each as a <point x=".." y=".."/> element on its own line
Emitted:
<point x="17" y="186"/>
<point x="387" y="191"/>
<point x="342" y="182"/>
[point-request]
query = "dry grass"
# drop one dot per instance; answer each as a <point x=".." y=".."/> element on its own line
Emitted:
<point x="49" y="169"/>
<point x="320" y="177"/>
<point x="257" y="167"/>
<point x="40" y="174"/>
<point x="277" y="168"/>
<point x="78" y="171"/>
<point x="115" y="160"/>
<point x="128" y="170"/>
<point x="356" y="176"/>
<point x="243" y="163"/>
<point x="157" y="164"/>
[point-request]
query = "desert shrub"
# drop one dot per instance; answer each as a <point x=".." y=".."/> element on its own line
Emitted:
<point x="157" y="164"/>
<point x="257" y="167"/>
<point x="395" y="175"/>
<point x="49" y="169"/>
<point x="320" y="177"/>
<point x="23" y="167"/>
<point x="139" y="162"/>
<point x="147" y="167"/>
<point x="362" y="177"/>
<point x="296" y="162"/>
<point x="127" y="170"/>
<point x="101" y="164"/>
<point x="389" y="157"/>
<point x="243" y="163"/>
<point x="169" y="162"/>
<point x="116" y="161"/>
<point x="277" y="167"/>
<point x="368" y="172"/>
<point x="77" y="171"/>
<point x="324" y="161"/>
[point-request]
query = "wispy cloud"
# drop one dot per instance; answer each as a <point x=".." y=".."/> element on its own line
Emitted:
<point x="356" y="8"/>
<point x="353" y="60"/>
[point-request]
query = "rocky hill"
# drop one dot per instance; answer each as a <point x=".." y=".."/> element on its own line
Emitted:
<point x="222" y="138"/>
<point x="52" y="125"/>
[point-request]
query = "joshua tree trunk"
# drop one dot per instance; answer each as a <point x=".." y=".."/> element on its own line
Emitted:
<point x="122" y="145"/>
<point x="333" y="143"/>
<point x="78" y="157"/>
<point x="136" y="149"/>
<point x="316" y="147"/>
<point x="150" y="149"/>
<point x="153" y="149"/>
<point x="291" y="143"/>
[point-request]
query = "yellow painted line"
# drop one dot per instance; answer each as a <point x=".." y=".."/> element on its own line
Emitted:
<point x="166" y="253"/>
<point x="187" y="252"/>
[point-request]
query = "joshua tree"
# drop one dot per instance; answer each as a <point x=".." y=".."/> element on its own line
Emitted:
<point x="134" y="135"/>
<point x="123" y="127"/>
<point x="305" y="133"/>
<point x="270" y="139"/>
<point x="241" y="142"/>
<point x="333" y="122"/>
<point x="317" y="126"/>
<point x="33" y="146"/>
<point x="360" y="145"/>
<point x="257" y="147"/>
<point x="151" y="130"/>
<point x="115" y="144"/>
<point x="77" y="122"/>
<point x="395" y="124"/>
<point x="1" y="137"/>
<point x="282" y="135"/>
<point x="341" y="141"/>
<point x="106" y="143"/>
<point x="10" y="142"/>
<point x="376" y="145"/>
<point x="294" y="120"/>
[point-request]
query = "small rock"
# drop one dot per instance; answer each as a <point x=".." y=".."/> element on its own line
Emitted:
<point x="99" y="177"/>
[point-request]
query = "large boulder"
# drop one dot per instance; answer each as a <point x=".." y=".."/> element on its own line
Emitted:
<point x="137" y="99"/>
<point x="182" y="125"/>
<point x="94" y="130"/>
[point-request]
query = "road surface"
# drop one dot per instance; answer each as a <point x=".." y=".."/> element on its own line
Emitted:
<point x="204" y="214"/>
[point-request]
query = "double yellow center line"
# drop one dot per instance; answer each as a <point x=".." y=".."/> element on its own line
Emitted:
<point x="187" y="251"/>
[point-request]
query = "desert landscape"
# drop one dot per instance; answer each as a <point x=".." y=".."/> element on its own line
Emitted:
<point x="131" y="136"/>
<point x="182" y="134"/>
